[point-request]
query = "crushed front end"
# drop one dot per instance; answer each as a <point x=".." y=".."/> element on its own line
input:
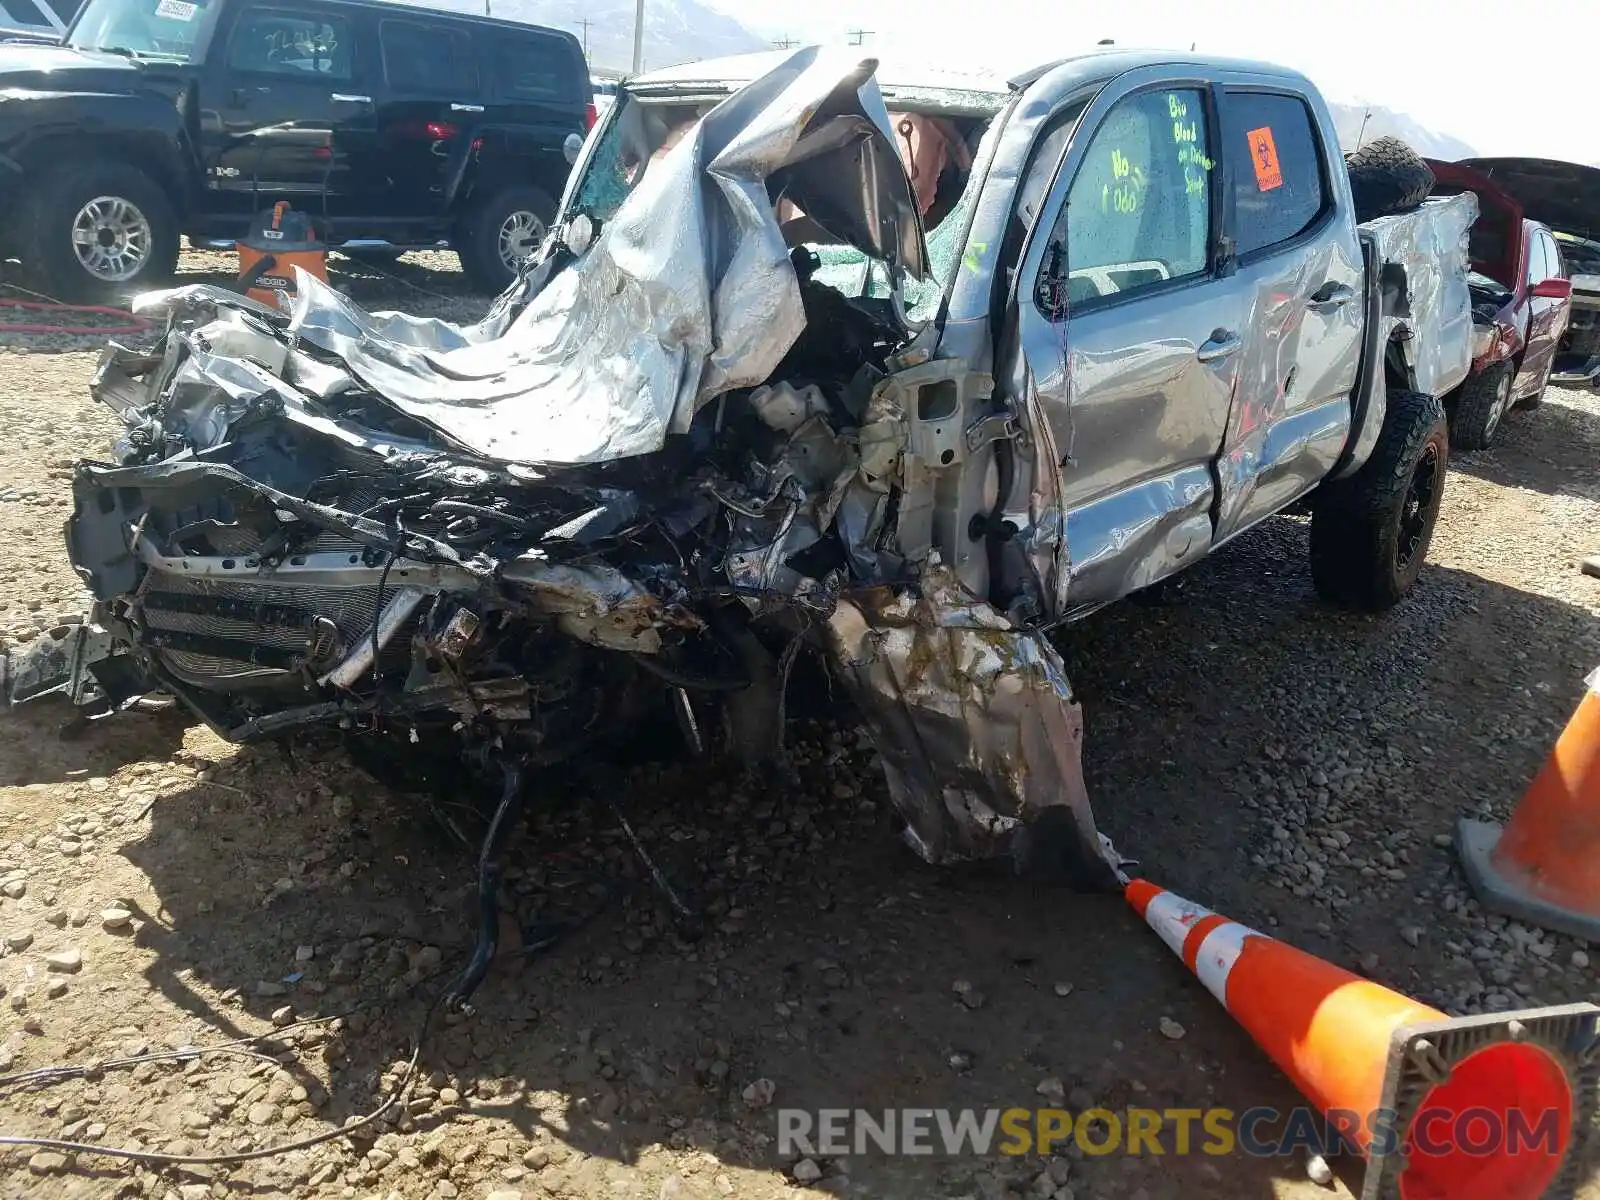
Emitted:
<point x="652" y="475"/>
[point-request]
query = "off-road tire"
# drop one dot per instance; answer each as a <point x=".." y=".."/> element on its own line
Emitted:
<point x="58" y="196"/>
<point x="1481" y="403"/>
<point x="1370" y="532"/>
<point x="1387" y="176"/>
<point x="477" y="234"/>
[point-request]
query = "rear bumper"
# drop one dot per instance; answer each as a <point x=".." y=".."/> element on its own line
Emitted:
<point x="1578" y="358"/>
<point x="1583" y="373"/>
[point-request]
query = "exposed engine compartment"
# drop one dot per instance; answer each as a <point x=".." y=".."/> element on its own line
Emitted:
<point x="279" y="563"/>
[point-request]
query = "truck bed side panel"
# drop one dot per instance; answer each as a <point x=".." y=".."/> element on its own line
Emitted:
<point x="1426" y="301"/>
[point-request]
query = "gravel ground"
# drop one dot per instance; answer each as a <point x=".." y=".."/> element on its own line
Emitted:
<point x="1294" y="767"/>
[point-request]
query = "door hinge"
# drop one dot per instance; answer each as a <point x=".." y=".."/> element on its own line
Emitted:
<point x="993" y="428"/>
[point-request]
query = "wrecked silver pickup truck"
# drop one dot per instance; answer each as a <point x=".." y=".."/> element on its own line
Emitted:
<point x="906" y="368"/>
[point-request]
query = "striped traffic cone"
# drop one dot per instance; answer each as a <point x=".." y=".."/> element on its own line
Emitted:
<point x="1545" y="867"/>
<point x="1471" y="1108"/>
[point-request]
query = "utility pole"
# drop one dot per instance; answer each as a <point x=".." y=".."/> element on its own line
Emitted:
<point x="858" y="36"/>
<point x="785" y="43"/>
<point x="638" y="37"/>
<point x="583" y="23"/>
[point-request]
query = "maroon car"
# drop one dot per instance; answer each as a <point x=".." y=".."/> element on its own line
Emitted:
<point x="1521" y="301"/>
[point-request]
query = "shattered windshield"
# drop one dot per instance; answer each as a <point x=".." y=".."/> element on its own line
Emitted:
<point x="937" y="152"/>
<point x="168" y="30"/>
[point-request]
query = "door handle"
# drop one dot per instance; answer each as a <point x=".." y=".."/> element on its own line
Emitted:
<point x="466" y="108"/>
<point x="1331" y="295"/>
<point x="343" y="98"/>
<point x="1219" y="345"/>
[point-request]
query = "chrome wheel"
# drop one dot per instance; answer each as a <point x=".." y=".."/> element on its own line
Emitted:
<point x="112" y="238"/>
<point x="1502" y="401"/>
<point x="520" y="235"/>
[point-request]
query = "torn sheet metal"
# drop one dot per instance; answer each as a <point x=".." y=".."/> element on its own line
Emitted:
<point x="979" y="732"/>
<point x="1425" y="269"/>
<point x="58" y="662"/>
<point x="687" y="293"/>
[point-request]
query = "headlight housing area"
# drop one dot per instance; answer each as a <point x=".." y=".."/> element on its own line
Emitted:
<point x="1484" y="338"/>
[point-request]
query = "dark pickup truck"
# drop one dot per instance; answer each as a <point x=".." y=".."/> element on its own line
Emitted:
<point x="391" y="126"/>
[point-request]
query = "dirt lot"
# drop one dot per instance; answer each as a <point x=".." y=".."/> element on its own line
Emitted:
<point x="1297" y="768"/>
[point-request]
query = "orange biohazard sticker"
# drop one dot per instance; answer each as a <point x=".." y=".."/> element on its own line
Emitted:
<point x="1264" y="158"/>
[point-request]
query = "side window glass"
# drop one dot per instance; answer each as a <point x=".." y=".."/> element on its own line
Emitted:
<point x="534" y="68"/>
<point x="277" y="42"/>
<point x="1138" y="213"/>
<point x="1538" y="266"/>
<point x="428" y="60"/>
<point x="1552" y="251"/>
<point x="1279" y="184"/>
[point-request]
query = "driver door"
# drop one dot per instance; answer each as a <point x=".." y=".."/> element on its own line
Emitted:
<point x="1132" y="336"/>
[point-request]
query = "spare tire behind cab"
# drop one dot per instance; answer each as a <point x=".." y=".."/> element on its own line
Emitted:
<point x="1386" y="177"/>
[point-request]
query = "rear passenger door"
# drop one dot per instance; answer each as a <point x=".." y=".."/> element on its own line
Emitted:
<point x="539" y="94"/>
<point x="1132" y="335"/>
<point x="1299" y="272"/>
<point x="429" y="110"/>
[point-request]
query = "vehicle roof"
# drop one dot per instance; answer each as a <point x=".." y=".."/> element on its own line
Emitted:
<point x="429" y="10"/>
<point x="1107" y="62"/>
<point x="901" y="73"/>
<point x="893" y="71"/>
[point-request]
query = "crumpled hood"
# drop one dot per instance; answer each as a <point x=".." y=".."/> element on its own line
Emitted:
<point x="687" y="293"/>
<point x="1562" y="195"/>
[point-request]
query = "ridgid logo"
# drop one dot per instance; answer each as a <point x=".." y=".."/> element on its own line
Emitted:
<point x="1259" y="1132"/>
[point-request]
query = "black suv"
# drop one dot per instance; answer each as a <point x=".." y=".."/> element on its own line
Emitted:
<point x="392" y="126"/>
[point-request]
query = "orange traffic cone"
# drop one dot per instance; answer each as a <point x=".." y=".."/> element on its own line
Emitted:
<point x="1472" y="1108"/>
<point x="1545" y="867"/>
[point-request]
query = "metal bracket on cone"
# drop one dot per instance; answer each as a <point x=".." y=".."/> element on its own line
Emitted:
<point x="1475" y="843"/>
<point x="1425" y="1058"/>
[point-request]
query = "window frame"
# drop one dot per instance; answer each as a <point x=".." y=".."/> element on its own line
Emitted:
<point x="1552" y="254"/>
<point x="1533" y="274"/>
<point x="461" y="34"/>
<point x="327" y="15"/>
<point x="1215" y="254"/>
<point x="1230" y="162"/>
<point x="498" y="85"/>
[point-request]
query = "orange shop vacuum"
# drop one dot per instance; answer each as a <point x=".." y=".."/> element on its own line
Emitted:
<point x="279" y="240"/>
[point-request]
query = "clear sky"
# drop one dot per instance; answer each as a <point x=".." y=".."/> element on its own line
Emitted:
<point x="1509" y="79"/>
